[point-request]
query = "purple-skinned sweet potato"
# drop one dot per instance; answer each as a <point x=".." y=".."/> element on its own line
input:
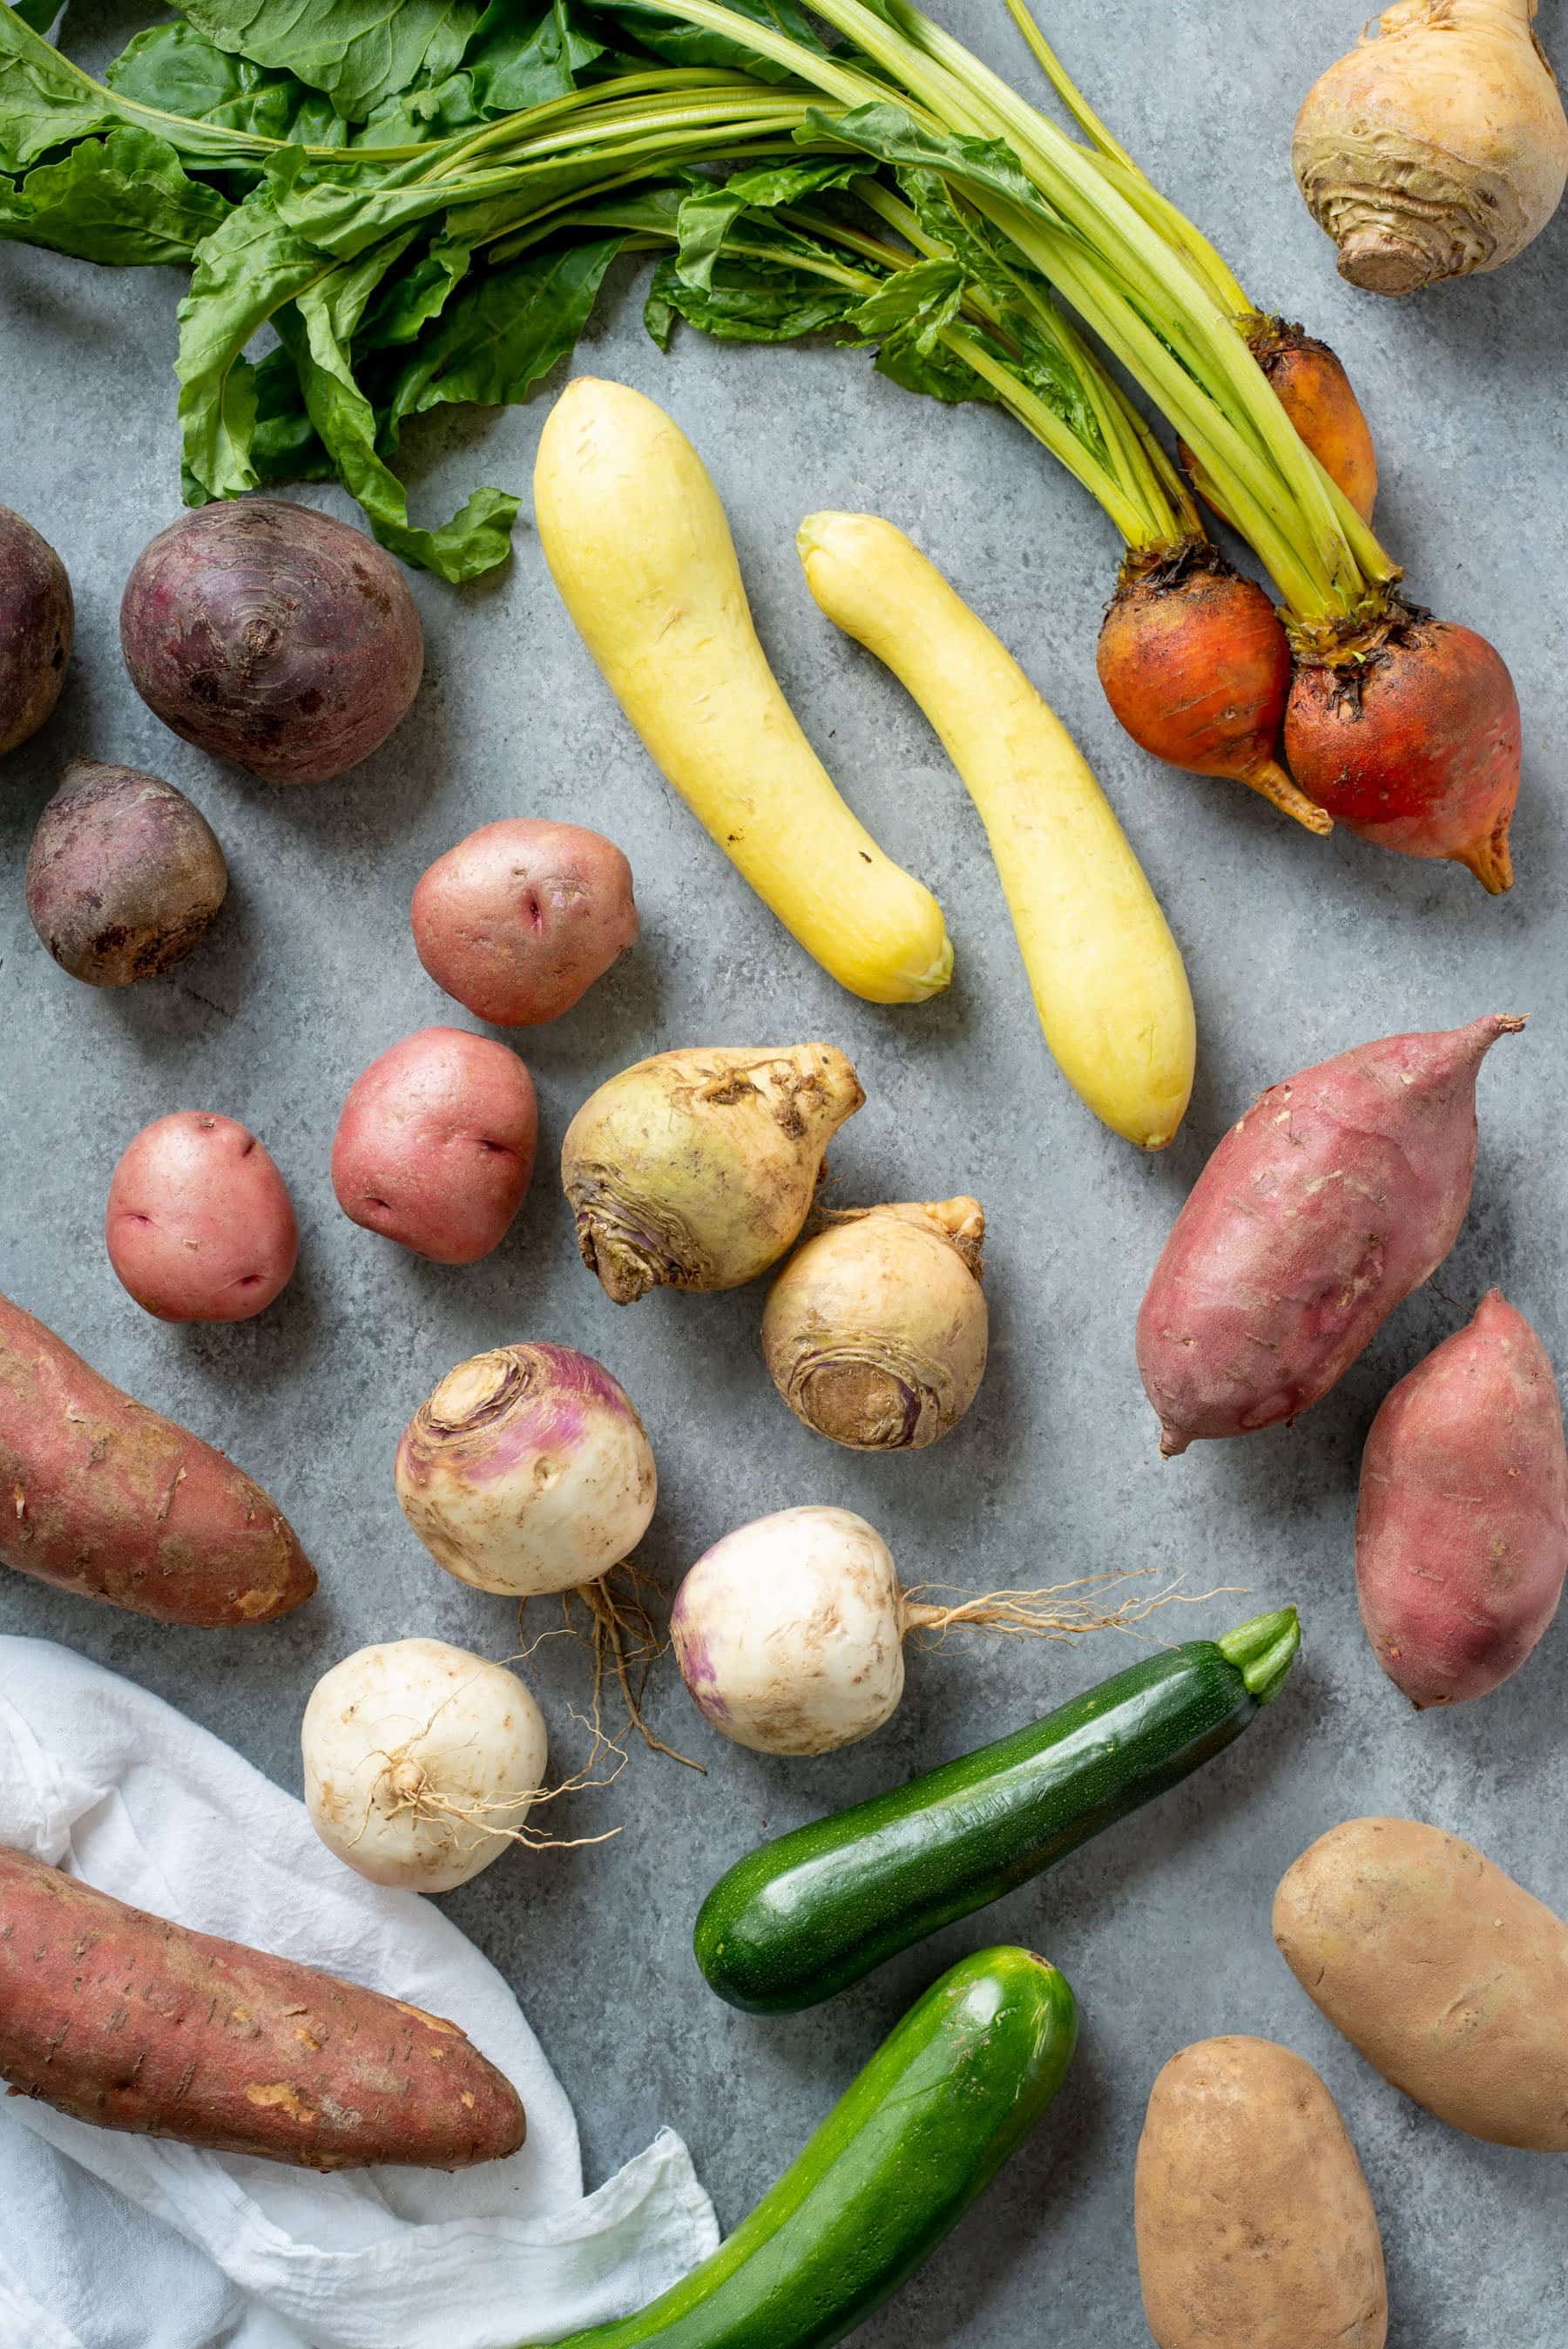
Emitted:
<point x="271" y="635"/>
<point x="1338" y="1193"/>
<point x="1461" y="1533"/>
<point x="101" y="1496"/>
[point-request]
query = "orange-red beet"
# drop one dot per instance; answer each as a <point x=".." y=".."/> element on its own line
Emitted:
<point x="1196" y="665"/>
<point x="1461" y="1534"/>
<point x="1339" y="1191"/>
<point x="1414" y="744"/>
<point x="124" y="2020"/>
<point x="1314" y="392"/>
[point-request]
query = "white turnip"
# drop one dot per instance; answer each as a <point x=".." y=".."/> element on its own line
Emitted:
<point x="789" y="1631"/>
<point x="528" y="1472"/>
<point x="421" y="1763"/>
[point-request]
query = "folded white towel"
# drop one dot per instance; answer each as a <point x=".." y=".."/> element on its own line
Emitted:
<point x="110" y="2241"/>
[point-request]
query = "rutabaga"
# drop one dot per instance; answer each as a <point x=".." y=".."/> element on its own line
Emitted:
<point x="875" y="1331"/>
<point x="697" y="1169"/>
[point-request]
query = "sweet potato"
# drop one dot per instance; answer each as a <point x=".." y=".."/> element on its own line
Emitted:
<point x="519" y="919"/>
<point x="1340" y="1191"/>
<point x="1450" y="1978"/>
<point x="124" y="876"/>
<point x="1255" y="2224"/>
<point x="1461" y="1534"/>
<point x="435" y="1146"/>
<point x="37" y="623"/>
<point x="199" y="1225"/>
<point x="124" y="2020"/>
<point x="100" y="1496"/>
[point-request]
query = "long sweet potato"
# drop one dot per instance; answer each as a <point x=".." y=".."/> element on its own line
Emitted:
<point x="1339" y="1191"/>
<point x="124" y="2020"/>
<point x="1461" y="1533"/>
<point x="100" y="1496"/>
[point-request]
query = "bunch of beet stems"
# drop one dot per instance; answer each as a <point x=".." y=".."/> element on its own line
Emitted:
<point x="1402" y="727"/>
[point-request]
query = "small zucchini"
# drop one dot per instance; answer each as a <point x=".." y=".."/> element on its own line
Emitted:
<point x="812" y="1911"/>
<point x="952" y="2089"/>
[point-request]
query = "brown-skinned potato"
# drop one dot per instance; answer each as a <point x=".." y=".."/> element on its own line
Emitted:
<point x="1255" y="2224"/>
<point x="1450" y="1978"/>
<point x="124" y="876"/>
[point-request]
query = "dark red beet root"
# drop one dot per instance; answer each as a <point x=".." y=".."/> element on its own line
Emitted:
<point x="271" y="635"/>
<point x="1414" y="744"/>
<point x="36" y="622"/>
<point x="1196" y="665"/>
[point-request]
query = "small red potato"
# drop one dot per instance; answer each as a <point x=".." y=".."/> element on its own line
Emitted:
<point x="519" y="919"/>
<point x="435" y="1146"/>
<point x="124" y="876"/>
<point x="132" y="2022"/>
<point x="37" y="623"/>
<point x="271" y="635"/>
<point x="1255" y="2224"/>
<point x="1461" y="1532"/>
<point x="199" y="1225"/>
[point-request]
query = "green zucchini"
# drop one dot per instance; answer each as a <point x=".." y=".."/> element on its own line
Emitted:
<point x="806" y="1915"/>
<point x="949" y="2092"/>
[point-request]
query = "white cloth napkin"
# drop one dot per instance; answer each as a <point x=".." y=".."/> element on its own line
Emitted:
<point x="111" y="2242"/>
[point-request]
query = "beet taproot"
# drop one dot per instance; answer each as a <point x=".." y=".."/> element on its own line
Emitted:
<point x="1195" y="664"/>
<point x="272" y="635"/>
<point x="1339" y="1191"/>
<point x="1408" y="733"/>
<point x="124" y="875"/>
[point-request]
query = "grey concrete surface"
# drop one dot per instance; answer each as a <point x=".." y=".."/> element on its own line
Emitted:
<point x="1295" y="949"/>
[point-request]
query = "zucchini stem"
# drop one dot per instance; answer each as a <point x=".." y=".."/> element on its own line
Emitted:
<point x="1263" y="1650"/>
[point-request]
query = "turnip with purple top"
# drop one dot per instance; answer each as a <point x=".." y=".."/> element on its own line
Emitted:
<point x="528" y="1472"/>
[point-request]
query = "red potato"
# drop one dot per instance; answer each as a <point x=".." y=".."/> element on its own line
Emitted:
<point x="1461" y="1533"/>
<point x="435" y="1146"/>
<point x="122" y="2019"/>
<point x="271" y="635"/>
<point x="1340" y="1191"/>
<point x="518" y="920"/>
<point x="36" y="624"/>
<point x="109" y="1499"/>
<point x="199" y="1225"/>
